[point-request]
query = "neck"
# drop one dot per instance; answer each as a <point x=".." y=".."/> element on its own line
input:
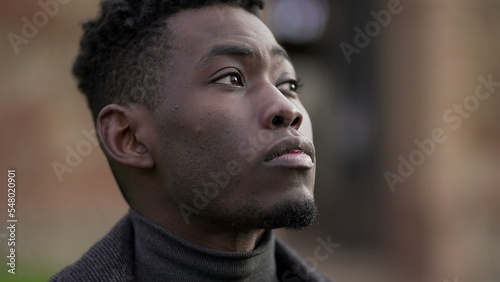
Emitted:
<point x="208" y="234"/>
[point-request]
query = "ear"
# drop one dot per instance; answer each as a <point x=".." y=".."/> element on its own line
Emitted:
<point x="125" y="134"/>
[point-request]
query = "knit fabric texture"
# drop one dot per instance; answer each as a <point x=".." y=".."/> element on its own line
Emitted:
<point x="161" y="255"/>
<point x="114" y="258"/>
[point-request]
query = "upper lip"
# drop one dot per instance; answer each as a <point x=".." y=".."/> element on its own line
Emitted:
<point x="290" y="144"/>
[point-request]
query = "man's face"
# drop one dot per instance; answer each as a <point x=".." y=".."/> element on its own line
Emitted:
<point x="235" y="141"/>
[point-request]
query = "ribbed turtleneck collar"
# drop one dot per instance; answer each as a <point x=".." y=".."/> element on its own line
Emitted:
<point x="161" y="255"/>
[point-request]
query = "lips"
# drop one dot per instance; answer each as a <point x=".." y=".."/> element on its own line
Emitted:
<point x="291" y="152"/>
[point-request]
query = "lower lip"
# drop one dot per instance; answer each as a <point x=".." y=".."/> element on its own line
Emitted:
<point x="292" y="160"/>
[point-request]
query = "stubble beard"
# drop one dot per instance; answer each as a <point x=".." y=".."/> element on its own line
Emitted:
<point x="288" y="214"/>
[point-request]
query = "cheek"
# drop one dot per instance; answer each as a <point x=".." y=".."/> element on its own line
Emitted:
<point x="199" y="116"/>
<point x="203" y="127"/>
<point x="189" y="122"/>
<point x="208" y="130"/>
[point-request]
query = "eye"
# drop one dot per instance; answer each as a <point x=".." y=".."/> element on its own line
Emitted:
<point x="290" y="86"/>
<point x="233" y="78"/>
<point x="293" y="86"/>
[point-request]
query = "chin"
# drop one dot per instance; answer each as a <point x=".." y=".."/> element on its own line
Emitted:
<point x="291" y="214"/>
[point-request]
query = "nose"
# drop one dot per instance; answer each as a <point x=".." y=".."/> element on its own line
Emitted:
<point x="278" y="110"/>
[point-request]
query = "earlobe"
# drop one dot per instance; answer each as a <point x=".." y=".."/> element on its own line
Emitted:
<point x="123" y="138"/>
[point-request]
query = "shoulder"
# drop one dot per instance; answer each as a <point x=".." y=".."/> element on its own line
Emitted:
<point x="291" y="268"/>
<point x="110" y="259"/>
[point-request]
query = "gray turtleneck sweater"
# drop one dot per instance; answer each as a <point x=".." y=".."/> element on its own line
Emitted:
<point x="137" y="249"/>
<point x="161" y="255"/>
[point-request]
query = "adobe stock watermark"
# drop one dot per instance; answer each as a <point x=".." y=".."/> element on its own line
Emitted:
<point x="74" y="155"/>
<point x="220" y="181"/>
<point x="446" y="280"/>
<point x="453" y="118"/>
<point x="322" y="252"/>
<point x="372" y="29"/>
<point x="30" y="28"/>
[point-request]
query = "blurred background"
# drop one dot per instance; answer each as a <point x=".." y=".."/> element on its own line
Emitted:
<point x="408" y="138"/>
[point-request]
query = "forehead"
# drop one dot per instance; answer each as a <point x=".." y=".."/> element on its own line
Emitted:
<point x="196" y="30"/>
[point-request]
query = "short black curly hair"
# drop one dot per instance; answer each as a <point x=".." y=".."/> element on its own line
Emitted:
<point x="122" y="51"/>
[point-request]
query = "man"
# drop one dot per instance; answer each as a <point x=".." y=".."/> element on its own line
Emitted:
<point x="196" y="108"/>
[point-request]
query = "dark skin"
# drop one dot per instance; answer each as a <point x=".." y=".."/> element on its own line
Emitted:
<point x="230" y="106"/>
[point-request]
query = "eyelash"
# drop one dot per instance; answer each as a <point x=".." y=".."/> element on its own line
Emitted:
<point x="297" y="82"/>
<point x="234" y="72"/>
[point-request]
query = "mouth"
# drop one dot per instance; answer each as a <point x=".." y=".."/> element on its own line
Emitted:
<point x="296" y="152"/>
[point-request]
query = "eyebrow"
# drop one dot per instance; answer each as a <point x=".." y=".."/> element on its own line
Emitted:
<point x="279" y="51"/>
<point x="240" y="51"/>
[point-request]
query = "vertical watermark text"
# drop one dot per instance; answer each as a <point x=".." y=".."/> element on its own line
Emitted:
<point x="11" y="220"/>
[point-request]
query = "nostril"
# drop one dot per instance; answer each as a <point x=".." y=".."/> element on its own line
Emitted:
<point x="278" y="120"/>
<point x="295" y="121"/>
